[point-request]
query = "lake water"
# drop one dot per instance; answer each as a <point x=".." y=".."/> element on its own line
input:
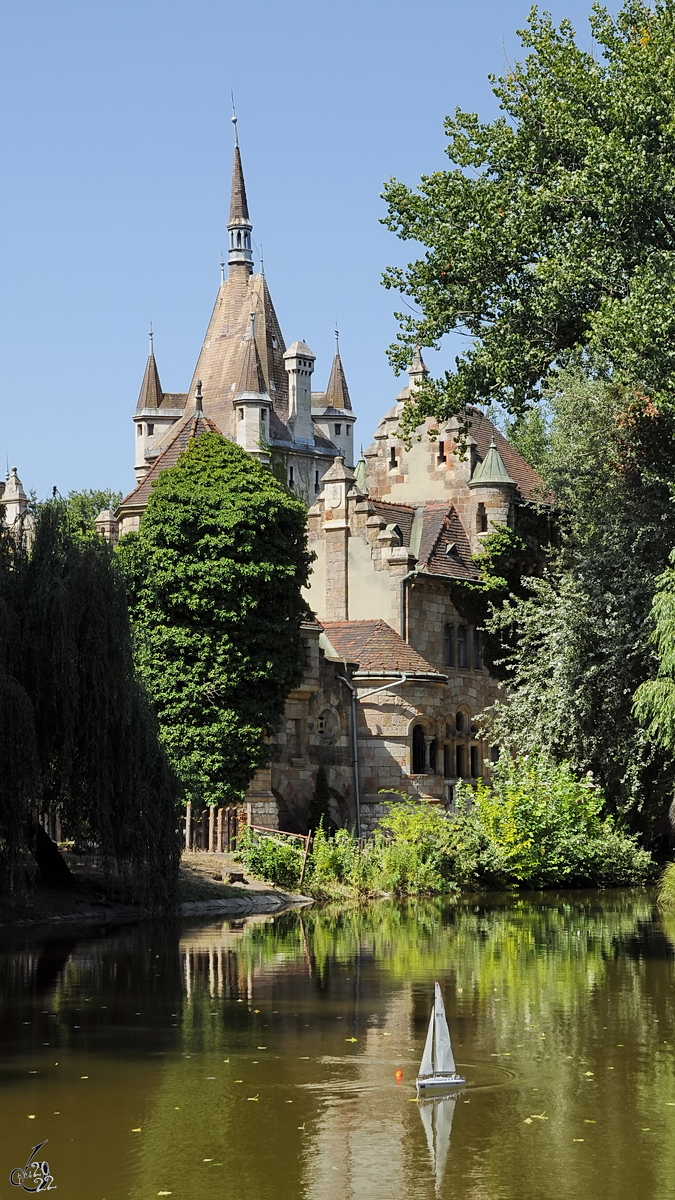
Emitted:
<point x="257" y="1059"/>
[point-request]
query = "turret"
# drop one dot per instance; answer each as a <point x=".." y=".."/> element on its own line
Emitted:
<point x="493" y="492"/>
<point x="299" y="363"/>
<point x="14" y="500"/>
<point x="252" y="403"/>
<point x="240" y="255"/>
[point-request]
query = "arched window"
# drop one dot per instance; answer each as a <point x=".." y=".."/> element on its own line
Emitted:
<point x="459" y="722"/>
<point x="459" y="761"/>
<point x="481" y="519"/>
<point x="418" y="751"/>
<point x="475" y="762"/>
<point x="449" y="646"/>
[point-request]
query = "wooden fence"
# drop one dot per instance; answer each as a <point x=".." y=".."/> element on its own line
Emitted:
<point x="214" y="829"/>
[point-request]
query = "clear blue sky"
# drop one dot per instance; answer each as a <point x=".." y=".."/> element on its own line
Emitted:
<point x="117" y="149"/>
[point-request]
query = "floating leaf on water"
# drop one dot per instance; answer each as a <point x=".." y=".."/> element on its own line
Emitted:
<point x="84" y="1076"/>
<point x="589" y="1072"/>
<point x="351" y="1039"/>
<point x="136" y="1130"/>
<point x="578" y="1139"/>
<point x="304" y="1058"/>
<point x="31" y="1116"/>
<point x="301" y="1126"/>
<point x="256" y="1010"/>
<point x="527" y="1121"/>
<point x="587" y="1122"/>
<point x="238" y="1081"/>
<point x="262" y="1047"/>
<point x="164" y="1193"/>
<point x="226" y="1060"/>
<point x="253" y="1097"/>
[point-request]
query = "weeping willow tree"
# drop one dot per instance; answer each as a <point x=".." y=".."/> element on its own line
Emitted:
<point x="91" y="748"/>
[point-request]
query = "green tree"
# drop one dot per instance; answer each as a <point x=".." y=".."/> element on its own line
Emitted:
<point x="655" y="698"/>
<point x="214" y="577"/>
<point x="68" y="688"/>
<point x="554" y="230"/>
<point x="84" y="506"/>
<point x="578" y="640"/>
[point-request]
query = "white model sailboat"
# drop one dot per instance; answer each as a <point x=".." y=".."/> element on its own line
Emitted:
<point x="437" y="1068"/>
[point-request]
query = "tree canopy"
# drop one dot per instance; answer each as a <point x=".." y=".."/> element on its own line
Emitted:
<point x="554" y="230"/>
<point x="214" y="577"/>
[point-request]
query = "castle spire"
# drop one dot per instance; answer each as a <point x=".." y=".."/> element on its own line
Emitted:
<point x="337" y="392"/>
<point x="150" y="395"/>
<point x="239" y="225"/>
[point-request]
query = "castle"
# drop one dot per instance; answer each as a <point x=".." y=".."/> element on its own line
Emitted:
<point x="393" y="675"/>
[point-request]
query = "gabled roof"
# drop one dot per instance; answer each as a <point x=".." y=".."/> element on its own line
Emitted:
<point x="180" y="435"/>
<point x="377" y="649"/>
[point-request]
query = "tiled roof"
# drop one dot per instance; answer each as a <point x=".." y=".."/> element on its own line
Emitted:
<point x="458" y="563"/>
<point x="396" y="514"/>
<point x="337" y="392"/>
<point x="150" y="395"/>
<point x="529" y="483"/>
<point x="183" y="432"/>
<point x="375" y="647"/>
<point x="238" y="201"/>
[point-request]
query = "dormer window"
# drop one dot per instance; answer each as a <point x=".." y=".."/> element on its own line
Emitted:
<point x="338" y="430"/>
<point x="275" y="344"/>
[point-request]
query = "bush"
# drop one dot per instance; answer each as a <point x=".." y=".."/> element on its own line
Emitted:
<point x="544" y="829"/>
<point x="270" y="859"/>
<point x="665" y="892"/>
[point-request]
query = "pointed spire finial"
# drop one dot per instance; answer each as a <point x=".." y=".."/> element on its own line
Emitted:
<point x="222" y="267"/>
<point x="234" y="121"/>
<point x="337" y="337"/>
<point x="198" y="397"/>
<point x="262" y="261"/>
<point x="152" y="344"/>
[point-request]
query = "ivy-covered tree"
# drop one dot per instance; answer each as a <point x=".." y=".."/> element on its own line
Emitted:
<point x="554" y="229"/>
<point x="214" y="577"/>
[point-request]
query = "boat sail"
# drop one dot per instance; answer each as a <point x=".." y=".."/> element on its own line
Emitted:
<point x="437" y="1068"/>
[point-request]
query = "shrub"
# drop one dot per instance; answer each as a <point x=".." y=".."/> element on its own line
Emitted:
<point x="269" y="858"/>
<point x="665" y="892"/>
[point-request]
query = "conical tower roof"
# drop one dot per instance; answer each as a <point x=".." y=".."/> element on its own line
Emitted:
<point x="491" y="472"/>
<point x="337" y="392"/>
<point x="238" y="201"/>
<point x="251" y="378"/>
<point x="150" y="395"/>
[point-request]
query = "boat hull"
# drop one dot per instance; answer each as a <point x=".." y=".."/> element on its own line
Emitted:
<point x="429" y="1083"/>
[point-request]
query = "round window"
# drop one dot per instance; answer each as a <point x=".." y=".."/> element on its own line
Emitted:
<point x="328" y="725"/>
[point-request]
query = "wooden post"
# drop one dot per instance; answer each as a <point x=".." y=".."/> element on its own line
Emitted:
<point x="219" y="835"/>
<point x="188" y="825"/>
<point x="304" y="861"/>
<point x="212" y="828"/>
<point x="205" y="829"/>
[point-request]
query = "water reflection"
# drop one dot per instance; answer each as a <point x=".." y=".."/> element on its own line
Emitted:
<point x="259" y="1057"/>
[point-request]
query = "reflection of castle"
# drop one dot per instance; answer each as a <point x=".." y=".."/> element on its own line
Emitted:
<point x="393" y="673"/>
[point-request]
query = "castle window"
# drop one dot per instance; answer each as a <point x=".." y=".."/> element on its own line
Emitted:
<point x="262" y="414"/>
<point x="481" y="519"/>
<point x="393" y="462"/>
<point x="241" y="414"/>
<point x="139" y="430"/>
<point x="151" y="430"/>
<point x="418" y="751"/>
<point x="475" y="762"/>
<point x="494" y="754"/>
<point x="462" y="646"/>
<point x="432" y="758"/>
<point x="459" y="761"/>
<point x="447" y="762"/>
<point x="441" y="453"/>
<point x="338" y="430"/>
<point x="291" y="477"/>
<point x="449" y="646"/>
<point x="459" y="722"/>
<point x="347" y="430"/>
<point x="477" y="651"/>
<point x="317" y="485"/>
